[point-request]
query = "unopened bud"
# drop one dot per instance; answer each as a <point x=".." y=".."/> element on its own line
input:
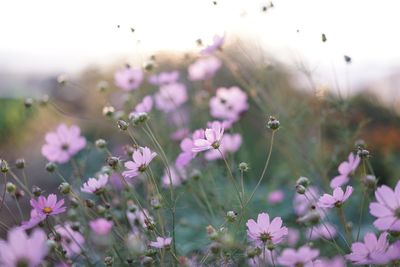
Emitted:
<point x="231" y="216"/>
<point x="75" y="226"/>
<point x="300" y="189"/>
<point x="323" y="37"/>
<point x="370" y="181"/>
<point x="44" y="100"/>
<point x="50" y="167"/>
<point x="138" y="118"/>
<point x="10" y="187"/>
<point x="195" y="175"/>
<point x="147" y="261"/>
<point x="273" y="123"/>
<point x="64" y="188"/>
<point x="4" y="166"/>
<point x="243" y="166"/>
<point x="113" y="162"/>
<point x="62" y="80"/>
<point x="102" y="86"/>
<point x="108" y="111"/>
<point x="155" y="203"/>
<point x="28" y="102"/>
<point x="108" y="261"/>
<point x="101" y="143"/>
<point x="253" y="252"/>
<point x="36" y="191"/>
<point x="89" y="203"/>
<point x="363" y="153"/>
<point x="211" y="232"/>
<point x="20" y="163"/>
<point x="149" y="65"/>
<point x="122" y="125"/>
<point x="215" y="248"/>
<point x="304" y="181"/>
<point x="360" y="144"/>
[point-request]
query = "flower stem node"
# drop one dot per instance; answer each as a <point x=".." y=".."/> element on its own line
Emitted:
<point x="64" y="188"/>
<point x="231" y="216"/>
<point x="300" y="189"/>
<point x="20" y="163"/>
<point x="4" y="166"/>
<point x="101" y="143"/>
<point x="50" y="167"/>
<point x="122" y="125"/>
<point x="11" y="188"/>
<point x="273" y="123"/>
<point x="244" y="167"/>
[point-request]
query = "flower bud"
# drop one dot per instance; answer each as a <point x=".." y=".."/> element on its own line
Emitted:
<point x="108" y="111"/>
<point x="44" y="100"/>
<point x="147" y="261"/>
<point x="51" y="167"/>
<point x="195" y="175"/>
<point x="122" y="125"/>
<point x="273" y="123"/>
<point x="304" y="181"/>
<point x="138" y="118"/>
<point x="10" y="187"/>
<point x="132" y="207"/>
<point x="135" y="244"/>
<point x="89" y="203"/>
<point x="64" y="188"/>
<point x="102" y="86"/>
<point x="101" y="209"/>
<point x="113" y="162"/>
<point x="28" y="102"/>
<point x="360" y="143"/>
<point x="108" y="261"/>
<point x="155" y="203"/>
<point x="370" y="181"/>
<point x="101" y="143"/>
<point x="36" y="191"/>
<point x="150" y="252"/>
<point x="363" y="153"/>
<point x="74" y="202"/>
<point x="149" y="65"/>
<point x="323" y="37"/>
<point x="20" y="163"/>
<point x="231" y="216"/>
<point x="75" y="226"/>
<point x="300" y="189"/>
<point x="62" y="80"/>
<point x="243" y="166"/>
<point x="211" y="232"/>
<point x="51" y="244"/>
<point x="19" y="193"/>
<point x="4" y="166"/>
<point x="253" y="252"/>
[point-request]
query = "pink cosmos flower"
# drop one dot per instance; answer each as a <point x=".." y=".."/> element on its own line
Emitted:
<point x="71" y="241"/>
<point x="164" y="78"/>
<point x="387" y="208"/>
<point x="42" y="208"/>
<point x="392" y="254"/>
<point x="186" y="146"/>
<point x="293" y="237"/>
<point x="95" y="186"/>
<point x="228" y="103"/>
<point x="304" y="256"/>
<point x="369" y="252"/>
<point x="128" y="79"/>
<point x="264" y="231"/>
<point x="23" y="250"/>
<point x="337" y="199"/>
<point x="275" y="197"/>
<point x="177" y="177"/>
<point x="345" y="169"/>
<point x="101" y="226"/>
<point x="212" y="139"/>
<point x="204" y="68"/>
<point x="230" y="143"/>
<point x="140" y="218"/>
<point x="218" y="41"/>
<point x="141" y="160"/>
<point x="171" y="96"/>
<point x="145" y="105"/>
<point x="337" y="261"/>
<point x="305" y="203"/>
<point x="180" y="134"/>
<point x="326" y="231"/>
<point x="161" y="242"/>
<point x="62" y="144"/>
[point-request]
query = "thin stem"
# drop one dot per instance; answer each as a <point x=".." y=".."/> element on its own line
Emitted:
<point x="20" y="183"/>
<point x="272" y="258"/>
<point x="19" y="208"/>
<point x="231" y="177"/>
<point x="343" y="221"/>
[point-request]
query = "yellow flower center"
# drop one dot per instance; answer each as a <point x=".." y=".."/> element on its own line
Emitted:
<point x="47" y="210"/>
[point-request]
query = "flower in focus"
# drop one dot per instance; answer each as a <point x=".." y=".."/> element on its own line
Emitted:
<point x="218" y="41"/>
<point x="62" y="144"/>
<point x="204" y="68"/>
<point x="212" y="138"/>
<point x="325" y="231"/>
<point x="304" y="256"/>
<point x="345" y="169"/>
<point x="71" y="241"/>
<point x="23" y="250"/>
<point x="95" y="186"/>
<point x="170" y="96"/>
<point x="265" y="232"/>
<point x="141" y="159"/>
<point x="387" y="208"/>
<point x="161" y="242"/>
<point x="337" y="199"/>
<point x="101" y="226"/>
<point x="187" y="145"/>
<point x="128" y="79"/>
<point x="164" y="78"/>
<point x="145" y="105"/>
<point x="276" y="196"/>
<point x="230" y="143"/>
<point x="228" y="104"/>
<point x="337" y="261"/>
<point x="369" y="252"/>
<point x="177" y="176"/>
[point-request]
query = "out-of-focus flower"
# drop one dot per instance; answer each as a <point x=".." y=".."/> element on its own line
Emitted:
<point x="265" y="232"/>
<point x="393" y="253"/>
<point x="228" y="103"/>
<point x="128" y="78"/>
<point x="276" y="196"/>
<point x="257" y="261"/>
<point x="292" y="237"/>
<point x="345" y="169"/>
<point x="177" y="176"/>
<point x="337" y="261"/>
<point x="204" y="68"/>
<point x="62" y="144"/>
<point x="230" y="143"/>
<point x="164" y="78"/>
<point x="71" y="241"/>
<point x="42" y="208"/>
<point x="212" y="138"/>
<point x="161" y="242"/>
<point x="95" y="186"/>
<point x="171" y="96"/>
<point x="180" y="134"/>
<point x="369" y="252"/>
<point x="304" y="256"/>
<point x="23" y="250"/>
<point x="325" y="231"/>
<point x="218" y="41"/>
<point x="141" y="159"/>
<point x="306" y="202"/>
<point x="145" y="105"/>
<point x="101" y="226"/>
<point x="187" y="145"/>
<point x="139" y="218"/>
<point x="335" y="200"/>
<point x="387" y="208"/>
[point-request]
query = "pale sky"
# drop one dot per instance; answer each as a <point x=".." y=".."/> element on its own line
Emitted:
<point x="67" y="35"/>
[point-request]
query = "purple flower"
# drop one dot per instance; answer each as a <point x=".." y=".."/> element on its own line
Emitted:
<point x="275" y="197"/>
<point x="304" y="256"/>
<point x="393" y="253"/>
<point x="228" y="104"/>
<point x="180" y="134"/>
<point x="305" y="203"/>
<point x="263" y="231"/>
<point x="369" y="252"/>
<point x="145" y="105"/>
<point x="230" y="143"/>
<point x="186" y="146"/>
<point x="42" y="208"/>
<point x="128" y="79"/>
<point x="212" y="138"/>
<point x="345" y="169"/>
<point x="170" y="97"/>
<point x="62" y="144"/>
<point x="23" y="250"/>
<point x="161" y="242"/>
<point x="141" y="159"/>
<point x="337" y="199"/>
<point x="218" y="41"/>
<point x="101" y="226"/>
<point x="292" y="237"/>
<point x="95" y="186"/>
<point x="71" y="241"/>
<point x="337" y="261"/>
<point x="204" y="68"/>
<point x="387" y="208"/>
<point x="164" y="78"/>
<point x="177" y="177"/>
<point x="325" y="231"/>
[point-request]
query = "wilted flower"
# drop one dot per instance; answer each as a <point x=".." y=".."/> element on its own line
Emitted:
<point x="141" y="159"/>
<point x="161" y="242"/>
<point x="170" y="96"/>
<point x="95" y="186"/>
<point x="228" y="103"/>
<point x="71" y="241"/>
<point x="337" y="199"/>
<point x="369" y="252"/>
<point x="304" y="256"/>
<point x="128" y="79"/>
<point x="101" y="226"/>
<point x="204" y="68"/>
<point x="62" y="144"/>
<point x="345" y="169"/>
<point x="265" y="232"/>
<point x="212" y="138"/>
<point x="23" y="250"/>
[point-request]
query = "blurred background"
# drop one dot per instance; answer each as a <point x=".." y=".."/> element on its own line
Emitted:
<point x="329" y="70"/>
